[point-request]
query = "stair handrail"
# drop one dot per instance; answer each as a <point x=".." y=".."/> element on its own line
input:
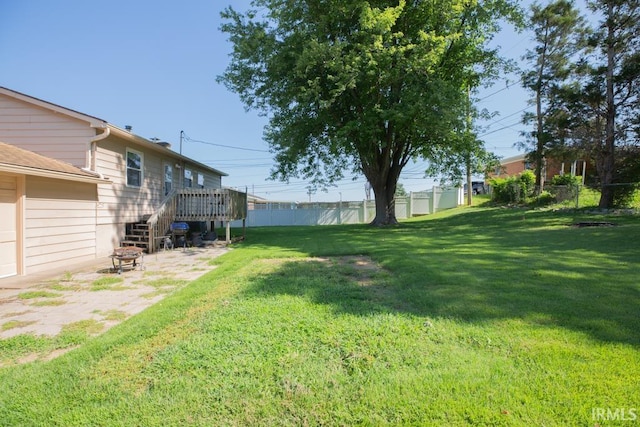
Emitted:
<point x="161" y="219"/>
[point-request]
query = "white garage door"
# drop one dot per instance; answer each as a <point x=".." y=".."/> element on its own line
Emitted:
<point x="8" y="245"/>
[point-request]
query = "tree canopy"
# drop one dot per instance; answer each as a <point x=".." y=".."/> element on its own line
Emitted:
<point x="559" y="31"/>
<point x="361" y="86"/>
<point x="587" y="104"/>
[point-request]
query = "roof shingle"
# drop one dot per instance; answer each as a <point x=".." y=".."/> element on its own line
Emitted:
<point x="11" y="155"/>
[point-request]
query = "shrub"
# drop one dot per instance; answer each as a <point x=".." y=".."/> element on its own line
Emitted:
<point x="513" y="189"/>
<point x="565" y="187"/>
<point x="545" y="198"/>
<point x="566" y="179"/>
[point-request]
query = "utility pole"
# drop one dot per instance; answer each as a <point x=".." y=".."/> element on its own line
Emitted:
<point x="468" y="137"/>
<point x="181" y="135"/>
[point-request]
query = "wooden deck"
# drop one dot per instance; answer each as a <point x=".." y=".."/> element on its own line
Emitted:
<point x="195" y="204"/>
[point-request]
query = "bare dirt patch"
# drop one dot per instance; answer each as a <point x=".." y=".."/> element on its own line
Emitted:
<point x="360" y="268"/>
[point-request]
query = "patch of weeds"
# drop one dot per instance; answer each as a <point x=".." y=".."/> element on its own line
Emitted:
<point x="165" y="282"/>
<point x="71" y="287"/>
<point x="78" y="332"/>
<point x="68" y="276"/>
<point x="15" y="313"/>
<point x="38" y="294"/>
<point x="163" y="286"/>
<point x="16" y="347"/>
<point x="157" y="273"/>
<point x="114" y="315"/>
<point x="49" y="302"/>
<point x="150" y="295"/>
<point x="105" y="283"/>
<point x="13" y="324"/>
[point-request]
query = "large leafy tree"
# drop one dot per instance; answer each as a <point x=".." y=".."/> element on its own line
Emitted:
<point x="616" y="70"/>
<point x="360" y="86"/>
<point x="559" y="31"/>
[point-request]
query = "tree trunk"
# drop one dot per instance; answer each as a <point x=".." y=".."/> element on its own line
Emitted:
<point x="539" y="153"/>
<point x="384" y="192"/>
<point x="608" y="160"/>
<point x="469" y="183"/>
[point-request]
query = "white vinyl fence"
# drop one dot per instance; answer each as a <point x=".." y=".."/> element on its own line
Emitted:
<point x="281" y="214"/>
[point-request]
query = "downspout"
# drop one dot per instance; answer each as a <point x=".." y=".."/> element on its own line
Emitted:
<point x="94" y="147"/>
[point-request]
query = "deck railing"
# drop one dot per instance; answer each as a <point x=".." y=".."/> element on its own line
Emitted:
<point x="161" y="220"/>
<point x="196" y="204"/>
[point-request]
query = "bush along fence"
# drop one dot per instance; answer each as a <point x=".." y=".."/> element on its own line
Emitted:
<point x="566" y="189"/>
<point x="266" y="214"/>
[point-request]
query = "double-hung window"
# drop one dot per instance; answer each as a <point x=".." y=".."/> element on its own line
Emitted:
<point x="188" y="179"/>
<point x="135" y="165"/>
<point x="168" y="178"/>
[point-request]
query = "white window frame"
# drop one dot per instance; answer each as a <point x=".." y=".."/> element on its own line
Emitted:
<point x="127" y="167"/>
<point x="200" y="180"/>
<point x="168" y="167"/>
<point x="186" y="180"/>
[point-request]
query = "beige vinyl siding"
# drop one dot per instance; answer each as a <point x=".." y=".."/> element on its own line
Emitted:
<point x="8" y="225"/>
<point x="210" y="180"/>
<point x="60" y="223"/>
<point x="45" y="132"/>
<point x="119" y="203"/>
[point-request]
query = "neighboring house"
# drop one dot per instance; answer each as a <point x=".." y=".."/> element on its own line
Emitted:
<point x="515" y="165"/>
<point x="135" y="179"/>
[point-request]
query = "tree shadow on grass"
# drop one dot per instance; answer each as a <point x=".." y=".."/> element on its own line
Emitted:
<point x="473" y="267"/>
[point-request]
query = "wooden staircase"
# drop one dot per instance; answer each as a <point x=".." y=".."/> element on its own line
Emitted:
<point x="139" y="236"/>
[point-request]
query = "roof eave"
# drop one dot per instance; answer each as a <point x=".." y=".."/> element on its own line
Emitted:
<point x="116" y="131"/>
<point x="26" y="170"/>
<point x="93" y="121"/>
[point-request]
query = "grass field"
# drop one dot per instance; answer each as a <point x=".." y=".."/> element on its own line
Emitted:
<point x="474" y="316"/>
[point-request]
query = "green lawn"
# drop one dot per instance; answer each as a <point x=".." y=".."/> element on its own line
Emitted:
<point x="476" y="316"/>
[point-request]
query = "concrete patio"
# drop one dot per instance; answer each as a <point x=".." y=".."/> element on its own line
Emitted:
<point x="44" y="304"/>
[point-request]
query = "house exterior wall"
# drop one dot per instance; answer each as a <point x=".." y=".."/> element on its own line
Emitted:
<point x="44" y="132"/>
<point x="120" y="203"/>
<point x="513" y="168"/>
<point x="69" y="221"/>
<point x="9" y="241"/>
<point x="60" y="223"/>
<point x="552" y="168"/>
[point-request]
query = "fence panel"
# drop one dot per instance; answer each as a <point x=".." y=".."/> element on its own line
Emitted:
<point x="447" y="198"/>
<point x="348" y="212"/>
<point x="420" y="203"/>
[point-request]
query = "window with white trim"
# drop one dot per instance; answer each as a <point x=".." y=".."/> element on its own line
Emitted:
<point x="135" y="165"/>
<point x="200" y="180"/>
<point x="168" y="178"/>
<point x="188" y="179"/>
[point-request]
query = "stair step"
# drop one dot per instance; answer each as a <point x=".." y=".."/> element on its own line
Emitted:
<point x="133" y="243"/>
<point x="139" y="232"/>
<point x="136" y="237"/>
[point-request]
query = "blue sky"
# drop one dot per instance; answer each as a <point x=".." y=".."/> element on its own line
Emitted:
<point x="153" y="65"/>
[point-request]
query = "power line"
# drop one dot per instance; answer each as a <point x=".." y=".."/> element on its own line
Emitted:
<point x="236" y="160"/>
<point x="510" y="115"/>
<point x="508" y="86"/>
<point x="187" y="138"/>
<point x="499" y="129"/>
